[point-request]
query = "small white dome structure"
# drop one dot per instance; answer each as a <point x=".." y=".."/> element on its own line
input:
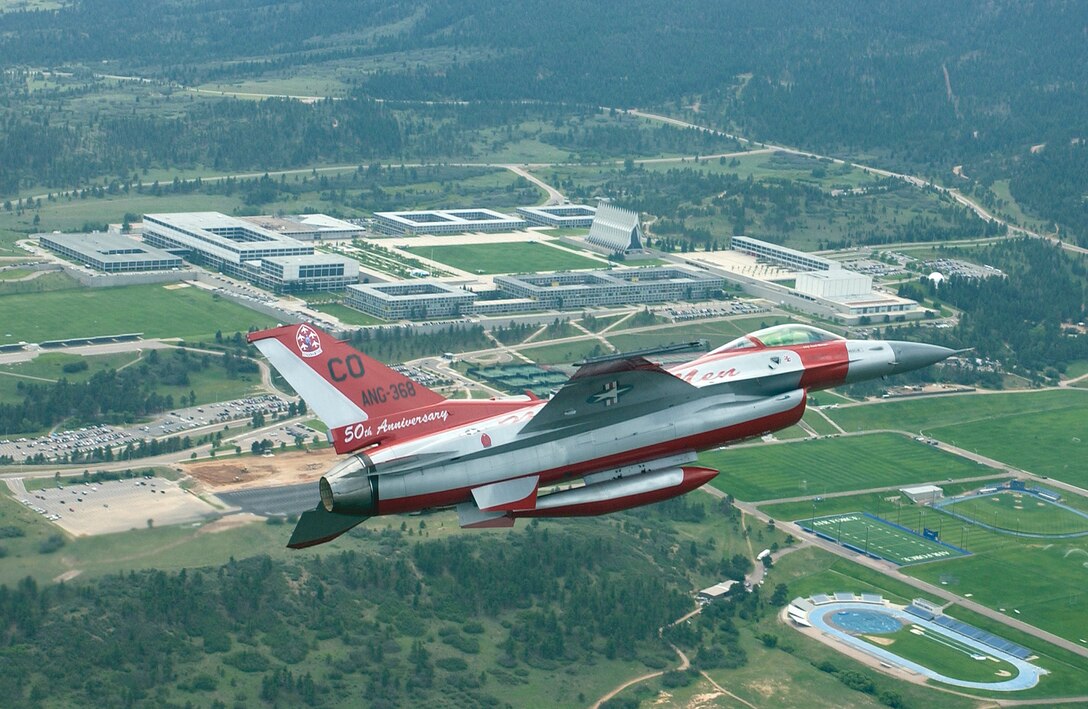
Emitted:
<point x="936" y="278"/>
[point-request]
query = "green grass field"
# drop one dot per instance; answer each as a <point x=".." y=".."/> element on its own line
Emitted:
<point x="1068" y="672"/>
<point x="1017" y="512"/>
<point x="506" y="258"/>
<point x="946" y="655"/>
<point x="1042" y="432"/>
<point x="346" y="315"/>
<point x="600" y="322"/>
<point x="1052" y="442"/>
<point x="564" y="352"/>
<point x="875" y="537"/>
<point x="1040" y="584"/>
<point x="931" y="413"/>
<point x="816" y="467"/>
<point x="189" y="313"/>
<point x="818" y="423"/>
<point x="14" y="274"/>
<point x="52" y="281"/>
<point x="891" y="505"/>
<point x="48" y="367"/>
<point x="813" y="570"/>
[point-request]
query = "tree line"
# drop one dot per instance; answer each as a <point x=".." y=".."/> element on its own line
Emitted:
<point x="115" y="396"/>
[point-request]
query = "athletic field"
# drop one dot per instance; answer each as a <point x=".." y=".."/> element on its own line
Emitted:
<point x="874" y="536"/>
<point x="1020" y="513"/>
<point x="517" y="257"/>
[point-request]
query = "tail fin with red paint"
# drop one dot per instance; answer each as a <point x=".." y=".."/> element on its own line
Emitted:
<point x="340" y="384"/>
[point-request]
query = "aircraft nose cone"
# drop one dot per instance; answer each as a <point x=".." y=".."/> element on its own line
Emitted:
<point x="915" y="355"/>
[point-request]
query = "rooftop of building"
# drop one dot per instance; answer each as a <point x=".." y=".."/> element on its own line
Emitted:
<point x="441" y="217"/>
<point x="108" y="246"/>
<point x="784" y="250"/>
<point x="299" y="223"/>
<point x="411" y="289"/>
<point x="561" y="210"/>
<point x="310" y="259"/>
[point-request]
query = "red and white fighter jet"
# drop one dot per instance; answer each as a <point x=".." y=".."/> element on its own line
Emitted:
<point x="629" y="429"/>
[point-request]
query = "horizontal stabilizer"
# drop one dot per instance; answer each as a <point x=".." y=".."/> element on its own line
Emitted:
<point x="318" y="526"/>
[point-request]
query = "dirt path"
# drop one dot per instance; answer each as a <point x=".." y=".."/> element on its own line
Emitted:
<point x="685" y="663"/>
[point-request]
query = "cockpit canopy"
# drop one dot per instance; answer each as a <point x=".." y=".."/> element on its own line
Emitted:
<point x="785" y="335"/>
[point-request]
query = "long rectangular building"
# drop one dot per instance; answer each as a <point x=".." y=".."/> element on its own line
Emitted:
<point x="415" y="300"/>
<point x="316" y="272"/>
<point x="246" y="250"/>
<point x="309" y="227"/>
<point x="564" y="291"/>
<point x="110" y="252"/>
<point x="418" y="300"/>
<point x="790" y="258"/>
<point x="560" y="216"/>
<point x="446" y="221"/>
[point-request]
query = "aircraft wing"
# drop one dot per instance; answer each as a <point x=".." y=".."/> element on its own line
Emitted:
<point x="600" y="393"/>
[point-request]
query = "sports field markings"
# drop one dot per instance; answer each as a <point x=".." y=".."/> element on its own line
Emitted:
<point x="879" y="538"/>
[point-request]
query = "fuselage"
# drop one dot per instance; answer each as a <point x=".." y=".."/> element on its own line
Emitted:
<point x="744" y="389"/>
<point x="628" y="428"/>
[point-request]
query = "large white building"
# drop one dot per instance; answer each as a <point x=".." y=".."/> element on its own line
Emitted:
<point x="615" y="230"/>
<point x="245" y="250"/>
<point x="110" y="252"/>
<point x="838" y="283"/>
<point x="309" y="227"/>
<point x="575" y="216"/>
<point x="446" y="221"/>
<point x="416" y="300"/>
<point x="789" y="258"/>
<point x="824" y="287"/>
<point x="518" y="294"/>
<point x="565" y="291"/>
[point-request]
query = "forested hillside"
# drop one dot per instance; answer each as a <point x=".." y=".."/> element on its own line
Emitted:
<point x="922" y="86"/>
<point x="399" y="620"/>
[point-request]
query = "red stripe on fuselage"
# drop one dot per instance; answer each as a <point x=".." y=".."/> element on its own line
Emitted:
<point x="825" y="364"/>
<point x="697" y="442"/>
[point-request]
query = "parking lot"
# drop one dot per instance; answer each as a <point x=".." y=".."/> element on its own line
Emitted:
<point x="698" y="312"/>
<point x="178" y="422"/>
<point x="113" y="506"/>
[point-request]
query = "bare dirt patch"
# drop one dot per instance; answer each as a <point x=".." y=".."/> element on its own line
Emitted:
<point x="67" y="575"/>
<point x="765" y="688"/>
<point x="282" y="469"/>
<point x="877" y="640"/>
<point x="705" y="700"/>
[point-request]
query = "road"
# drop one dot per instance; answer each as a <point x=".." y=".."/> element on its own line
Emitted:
<point x="955" y="194"/>
<point x="554" y="195"/>
<point x="892" y="570"/>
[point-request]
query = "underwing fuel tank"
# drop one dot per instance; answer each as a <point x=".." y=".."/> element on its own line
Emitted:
<point x="620" y="493"/>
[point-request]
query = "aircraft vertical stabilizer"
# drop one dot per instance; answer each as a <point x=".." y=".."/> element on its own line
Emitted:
<point x="341" y="384"/>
